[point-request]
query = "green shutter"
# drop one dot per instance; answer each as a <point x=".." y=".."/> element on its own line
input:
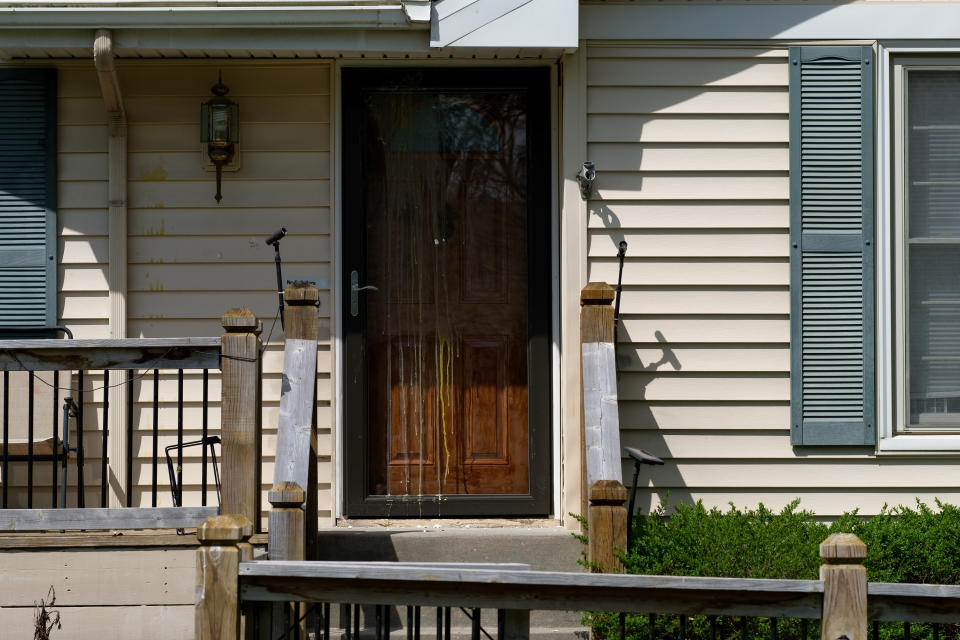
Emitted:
<point x="28" y="193"/>
<point x="831" y="246"/>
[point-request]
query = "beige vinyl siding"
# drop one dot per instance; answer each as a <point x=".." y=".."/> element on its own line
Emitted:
<point x="691" y="147"/>
<point x="191" y="259"/>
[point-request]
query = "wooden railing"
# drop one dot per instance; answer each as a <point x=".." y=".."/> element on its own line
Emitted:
<point x="842" y="600"/>
<point x="237" y="354"/>
<point x="603" y="475"/>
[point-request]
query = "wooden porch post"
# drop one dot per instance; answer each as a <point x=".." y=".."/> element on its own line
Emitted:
<point x="217" y="610"/>
<point x="296" y="459"/>
<point x="286" y="542"/>
<point x="844" y="588"/>
<point x="602" y="475"/>
<point x="240" y="410"/>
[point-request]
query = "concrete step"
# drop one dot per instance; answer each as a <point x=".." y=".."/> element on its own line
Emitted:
<point x="543" y="548"/>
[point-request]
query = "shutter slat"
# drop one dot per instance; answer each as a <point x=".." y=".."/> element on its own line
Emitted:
<point x="831" y="198"/>
<point x="27" y="197"/>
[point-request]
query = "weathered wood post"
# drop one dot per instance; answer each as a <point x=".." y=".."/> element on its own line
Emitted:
<point x="296" y="459"/>
<point x="286" y="542"/>
<point x="602" y="472"/>
<point x="844" y="588"/>
<point x="217" y="606"/>
<point x="240" y="421"/>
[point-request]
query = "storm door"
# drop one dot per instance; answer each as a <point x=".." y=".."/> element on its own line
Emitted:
<point x="446" y="281"/>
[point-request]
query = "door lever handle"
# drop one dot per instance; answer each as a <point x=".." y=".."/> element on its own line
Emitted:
<point x="355" y="289"/>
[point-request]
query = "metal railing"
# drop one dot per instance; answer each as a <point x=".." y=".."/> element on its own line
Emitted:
<point x="77" y="376"/>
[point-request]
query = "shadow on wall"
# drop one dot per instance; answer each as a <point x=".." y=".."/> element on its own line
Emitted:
<point x="692" y="158"/>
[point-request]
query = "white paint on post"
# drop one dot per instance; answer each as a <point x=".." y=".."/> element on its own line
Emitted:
<point x="601" y="419"/>
<point x="297" y="397"/>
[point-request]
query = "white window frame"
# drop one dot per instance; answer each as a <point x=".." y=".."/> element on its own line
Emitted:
<point x="890" y="384"/>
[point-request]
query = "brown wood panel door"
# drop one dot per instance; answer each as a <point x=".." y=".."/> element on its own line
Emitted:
<point x="439" y="361"/>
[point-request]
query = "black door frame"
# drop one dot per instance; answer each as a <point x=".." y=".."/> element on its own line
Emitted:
<point x="358" y="502"/>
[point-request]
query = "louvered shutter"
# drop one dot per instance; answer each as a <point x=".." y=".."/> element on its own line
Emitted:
<point x="831" y="238"/>
<point x="28" y="191"/>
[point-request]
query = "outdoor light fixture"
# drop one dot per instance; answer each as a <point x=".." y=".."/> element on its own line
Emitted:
<point x="586" y="178"/>
<point x="219" y="128"/>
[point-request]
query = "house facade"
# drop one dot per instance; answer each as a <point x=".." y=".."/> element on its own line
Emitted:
<point x="783" y="175"/>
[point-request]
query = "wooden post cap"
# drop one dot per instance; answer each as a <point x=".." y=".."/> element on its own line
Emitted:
<point x="608" y="492"/>
<point x="286" y="494"/>
<point x="224" y="528"/>
<point x="597" y="293"/>
<point x="843" y="548"/>
<point x="301" y="292"/>
<point x="240" y="320"/>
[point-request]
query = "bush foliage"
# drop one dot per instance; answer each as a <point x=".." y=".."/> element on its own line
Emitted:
<point x="919" y="545"/>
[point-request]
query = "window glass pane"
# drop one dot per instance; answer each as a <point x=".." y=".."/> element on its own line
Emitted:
<point x="933" y="247"/>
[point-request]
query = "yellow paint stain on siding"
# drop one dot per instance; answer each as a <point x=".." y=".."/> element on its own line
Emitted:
<point x="160" y="231"/>
<point x="159" y="174"/>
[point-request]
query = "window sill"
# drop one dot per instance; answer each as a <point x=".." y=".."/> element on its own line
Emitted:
<point x="916" y="443"/>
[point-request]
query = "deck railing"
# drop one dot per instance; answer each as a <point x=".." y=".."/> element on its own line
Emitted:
<point x="77" y="375"/>
<point x="229" y="584"/>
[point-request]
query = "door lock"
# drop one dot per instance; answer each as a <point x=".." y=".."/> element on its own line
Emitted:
<point x="355" y="290"/>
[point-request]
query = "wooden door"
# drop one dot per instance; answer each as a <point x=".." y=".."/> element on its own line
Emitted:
<point x="440" y="294"/>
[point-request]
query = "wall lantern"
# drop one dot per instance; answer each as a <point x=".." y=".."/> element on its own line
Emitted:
<point x="219" y="128"/>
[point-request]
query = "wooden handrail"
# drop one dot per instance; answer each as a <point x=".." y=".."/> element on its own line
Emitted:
<point x="606" y="514"/>
<point x="117" y="353"/>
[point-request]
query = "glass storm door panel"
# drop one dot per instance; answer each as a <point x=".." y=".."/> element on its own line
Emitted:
<point x="440" y="292"/>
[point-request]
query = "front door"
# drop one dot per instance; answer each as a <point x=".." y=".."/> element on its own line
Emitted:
<point x="446" y="245"/>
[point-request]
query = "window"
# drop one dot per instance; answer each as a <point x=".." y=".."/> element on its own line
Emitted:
<point x="926" y="246"/>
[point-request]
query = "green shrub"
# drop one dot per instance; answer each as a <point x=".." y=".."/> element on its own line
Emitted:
<point x="919" y="545"/>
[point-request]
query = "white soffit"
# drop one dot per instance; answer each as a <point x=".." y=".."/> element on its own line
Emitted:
<point x="857" y="21"/>
<point x="504" y="23"/>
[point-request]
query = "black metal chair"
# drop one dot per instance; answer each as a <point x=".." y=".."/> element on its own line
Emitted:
<point x="55" y="449"/>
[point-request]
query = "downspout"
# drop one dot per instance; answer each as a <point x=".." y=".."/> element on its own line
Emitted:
<point x="103" y="60"/>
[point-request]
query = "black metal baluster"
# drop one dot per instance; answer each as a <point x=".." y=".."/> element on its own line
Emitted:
<point x="179" y="437"/>
<point x="203" y="447"/>
<point x="906" y="631"/>
<point x="6" y="435"/>
<point x="56" y="437"/>
<point x="356" y="621"/>
<point x="743" y="628"/>
<point x="409" y="622"/>
<point x="936" y="631"/>
<point x="876" y="630"/>
<point x="805" y="628"/>
<point x="80" y="488"/>
<point x="378" y="621"/>
<point x="774" y="631"/>
<point x="416" y="623"/>
<point x="103" y="439"/>
<point x="347" y="609"/>
<point x="623" y="626"/>
<point x="156" y="436"/>
<point x="30" y="384"/>
<point x="475" y="619"/>
<point x="129" y="478"/>
<point x="713" y="627"/>
<point x="651" y="626"/>
<point x="683" y="627"/>
<point x="446" y="623"/>
<point x="439" y="623"/>
<point x="326" y="621"/>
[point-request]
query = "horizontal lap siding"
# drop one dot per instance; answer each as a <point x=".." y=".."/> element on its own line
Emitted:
<point x="691" y="147"/>
<point x="191" y="259"/>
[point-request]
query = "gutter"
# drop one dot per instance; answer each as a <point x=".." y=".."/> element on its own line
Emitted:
<point x="380" y="16"/>
<point x="103" y="60"/>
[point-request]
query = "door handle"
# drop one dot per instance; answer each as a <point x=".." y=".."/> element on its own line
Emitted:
<point x="355" y="290"/>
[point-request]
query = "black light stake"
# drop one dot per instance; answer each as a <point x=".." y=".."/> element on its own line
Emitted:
<point x="275" y="241"/>
<point x="621" y="253"/>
